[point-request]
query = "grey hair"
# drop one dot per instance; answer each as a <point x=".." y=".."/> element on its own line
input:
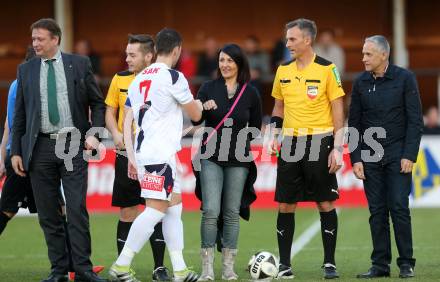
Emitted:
<point x="305" y="25"/>
<point x="380" y="41"/>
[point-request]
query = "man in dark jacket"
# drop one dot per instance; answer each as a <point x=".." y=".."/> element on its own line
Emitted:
<point x="386" y="111"/>
<point x="55" y="92"/>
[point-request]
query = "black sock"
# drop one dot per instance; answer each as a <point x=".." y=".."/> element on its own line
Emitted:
<point x="329" y="232"/>
<point x="121" y="234"/>
<point x="285" y="230"/>
<point x="157" y="245"/>
<point x="3" y="221"/>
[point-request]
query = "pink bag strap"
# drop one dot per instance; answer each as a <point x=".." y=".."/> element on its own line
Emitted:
<point x="226" y="116"/>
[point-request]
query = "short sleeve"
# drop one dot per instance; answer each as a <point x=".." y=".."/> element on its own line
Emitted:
<point x="180" y="89"/>
<point x="334" y="84"/>
<point x="112" y="98"/>
<point x="276" y="88"/>
<point x="133" y="93"/>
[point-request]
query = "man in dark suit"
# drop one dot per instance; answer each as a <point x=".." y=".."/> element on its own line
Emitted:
<point x="386" y="99"/>
<point x="55" y="92"/>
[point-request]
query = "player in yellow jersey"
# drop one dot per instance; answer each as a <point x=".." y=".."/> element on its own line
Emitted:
<point x="309" y="109"/>
<point x="127" y="192"/>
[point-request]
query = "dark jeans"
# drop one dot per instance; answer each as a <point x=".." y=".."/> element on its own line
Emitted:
<point x="387" y="192"/>
<point x="46" y="172"/>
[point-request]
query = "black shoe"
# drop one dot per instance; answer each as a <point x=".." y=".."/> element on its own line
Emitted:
<point x="374" y="272"/>
<point x="89" y="276"/>
<point x="285" y="272"/>
<point x="406" y="271"/>
<point x="330" y="271"/>
<point x="56" y="278"/>
<point x="161" y="274"/>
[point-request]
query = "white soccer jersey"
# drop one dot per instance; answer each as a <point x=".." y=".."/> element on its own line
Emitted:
<point x="155" y="96"/>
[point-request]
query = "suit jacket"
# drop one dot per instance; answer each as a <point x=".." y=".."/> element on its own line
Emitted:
<point x="83" y="94"/>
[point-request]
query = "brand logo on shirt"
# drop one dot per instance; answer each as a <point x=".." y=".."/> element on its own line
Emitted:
<point x="312" y="91"/>
<point x="152" y="182"/>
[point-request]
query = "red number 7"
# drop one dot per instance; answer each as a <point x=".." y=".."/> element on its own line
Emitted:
<point x="145" y="84"/>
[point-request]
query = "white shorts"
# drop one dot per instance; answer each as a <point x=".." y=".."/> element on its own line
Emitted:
<point x="158" y="181"/>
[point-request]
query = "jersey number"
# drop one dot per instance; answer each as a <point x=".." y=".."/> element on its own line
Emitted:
<point x="145" y="84"/>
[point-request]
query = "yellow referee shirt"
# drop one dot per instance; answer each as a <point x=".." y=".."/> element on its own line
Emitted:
<point x="307" y="96"/>
<point x="117" y="93"/>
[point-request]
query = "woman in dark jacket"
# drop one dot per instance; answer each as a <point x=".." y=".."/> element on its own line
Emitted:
<point x="224" y="174"/>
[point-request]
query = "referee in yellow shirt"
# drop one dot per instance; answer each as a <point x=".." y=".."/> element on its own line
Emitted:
<point x="127" y="192"/>
<point x="309" y="110"/>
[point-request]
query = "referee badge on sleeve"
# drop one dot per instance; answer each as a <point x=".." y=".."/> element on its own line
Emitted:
<point x="312" y="91"/>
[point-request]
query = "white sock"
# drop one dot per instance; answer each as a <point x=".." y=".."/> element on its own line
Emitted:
<point x="172" y="227"/>
<point x="140" y="232"/>
<point x="125" y="257"/>
<point x="177" y="260"/>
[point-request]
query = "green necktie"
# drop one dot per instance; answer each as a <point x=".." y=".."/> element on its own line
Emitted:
<point x="54" y="115"/>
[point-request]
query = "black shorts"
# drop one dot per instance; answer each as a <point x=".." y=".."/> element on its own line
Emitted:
<point x="126" y="191"/>
<point x="16" y="192"/>
<point x="305" y="177"/>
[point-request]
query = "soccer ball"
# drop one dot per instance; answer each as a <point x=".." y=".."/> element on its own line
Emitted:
<point x="263" y="265"/>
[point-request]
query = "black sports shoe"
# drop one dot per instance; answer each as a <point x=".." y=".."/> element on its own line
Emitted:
<point x="406" y="271"/>
<point x="330" y="271"/>
<point x="374" y="272"/>
<point x="161" y="274"/>
<point x="285" y="272"/>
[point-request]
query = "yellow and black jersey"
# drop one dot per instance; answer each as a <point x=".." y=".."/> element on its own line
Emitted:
<point x="307" y="96"/>
<point x="117" y="93"/>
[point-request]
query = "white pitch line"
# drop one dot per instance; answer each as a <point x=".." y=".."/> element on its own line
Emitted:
<point x="306" y="237"/>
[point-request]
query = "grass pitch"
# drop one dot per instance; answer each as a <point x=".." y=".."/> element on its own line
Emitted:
<point x="23" y="254"/>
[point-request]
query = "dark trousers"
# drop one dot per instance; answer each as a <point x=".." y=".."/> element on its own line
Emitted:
<point x="387" y="192"/>
<point x="46" y="172"/>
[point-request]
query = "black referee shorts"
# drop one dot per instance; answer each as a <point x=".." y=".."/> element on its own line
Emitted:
<point x="16" y="192"/>
<point x="126" y="191"/>
<point x="302" y="174"/>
